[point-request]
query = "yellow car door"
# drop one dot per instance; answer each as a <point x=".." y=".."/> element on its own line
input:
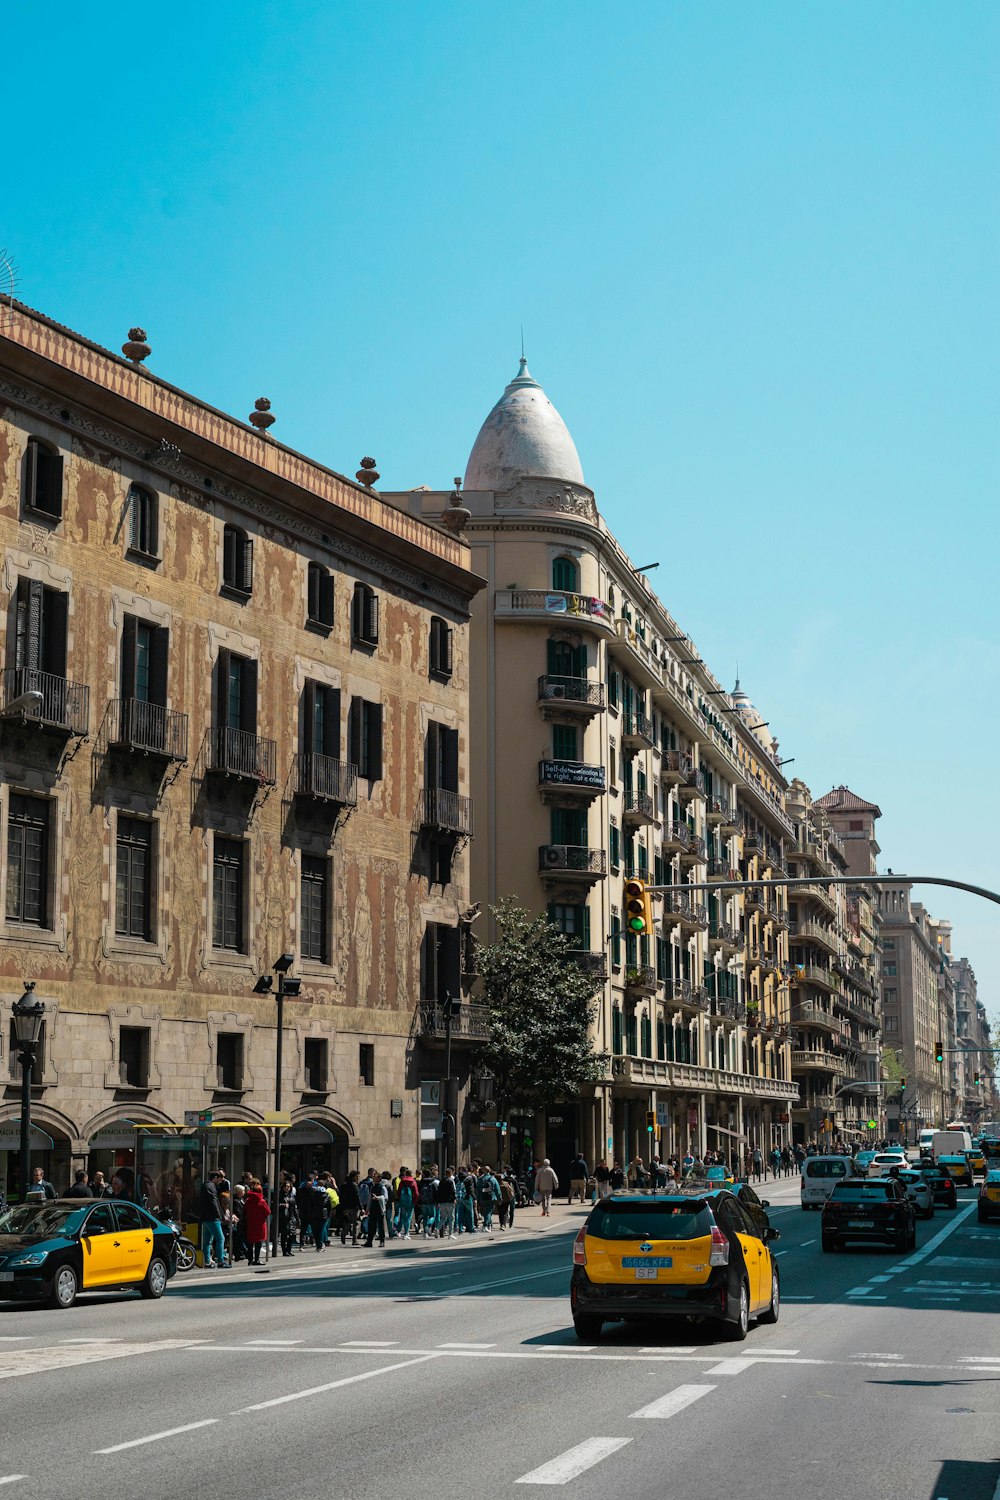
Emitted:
<point x="100" y="1248"/>
<point x="136" y="1236"/>
<point x="736" y="1222"/>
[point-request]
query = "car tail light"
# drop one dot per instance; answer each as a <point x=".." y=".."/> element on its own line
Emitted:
<point x="803" y="1184"/>
<point x="579" y="1248"/>
<point x="719" y="1255"/>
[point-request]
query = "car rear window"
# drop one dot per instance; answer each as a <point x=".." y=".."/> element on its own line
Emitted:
<point x="655" y="1221"/>
<point x="858" y="1192"/>
<point x="826" y="1169"/>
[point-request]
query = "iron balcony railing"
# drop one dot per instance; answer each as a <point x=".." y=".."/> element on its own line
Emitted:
<point x="594" y="964"/>
<point x="694" y="782"/>
<point x="690" y="912"/>
<point x="572" y="690"/>
<point x="638" y="803"/>
<point x="640" y="977"/>
<point x="572" y="859"/>
<point x="696" y="848"/>
<point x="676" y="835"/>
<point x="721" y="869"/>
<point x="718" y="809"/>
<point x="43" y="698"/>
<point x="675" y="765"/>
<point x="725" y="933"/>
<point x="638" y="727"/>
<point x="448" y="810"/>
<point x="148" y="728"/>
<point x="237" y="752"/>
<point x="325" y="779"/>
<point x="731" y="1010"/>
<point x="468" y="1021"/>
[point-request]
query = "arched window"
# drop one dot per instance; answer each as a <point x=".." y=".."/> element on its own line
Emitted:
<point x="565" y="575"/>
<point x="43" y="479"/>
<point x="237" y="560"/>
<point x="319" y="607"/>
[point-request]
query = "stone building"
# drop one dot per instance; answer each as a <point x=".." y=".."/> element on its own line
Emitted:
<point x="977" y="1098"/>
<point x="603" y="747"/>
<point x="234" y="726"/>
<point x="911" y="1016"/>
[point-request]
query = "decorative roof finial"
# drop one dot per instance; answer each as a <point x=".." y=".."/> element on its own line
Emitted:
<point x="136" y="349"/>
<point x="457" y="516"/>
<point x="261" y="416"/>
<point x="368" y="473"/>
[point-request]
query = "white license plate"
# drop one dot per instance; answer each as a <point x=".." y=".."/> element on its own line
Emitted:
<point x="6" y="1275"/>
<point x="861" y="1224"/>
<point x="645" y="1273"/>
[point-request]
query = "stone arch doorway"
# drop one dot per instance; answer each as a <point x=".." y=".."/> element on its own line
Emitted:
<point x="51" y="1142"/>
<point x="318" y="1140"/>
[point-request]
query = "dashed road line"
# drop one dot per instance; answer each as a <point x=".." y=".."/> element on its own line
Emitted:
<point x="332" y="1385"/>
<point x="466" y="1346"/>
<point x="273" y="1343"/>
<point x="11" y="1478"/>
<point x="157" y="1437"/>
<point x="730" y="1367"/>
<point x="574" y="1461"/>
<point x="674" y="1401"/>
<point x="370" y="1344"/>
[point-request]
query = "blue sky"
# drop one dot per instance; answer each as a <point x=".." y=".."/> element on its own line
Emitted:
<point x="755" y="252"/>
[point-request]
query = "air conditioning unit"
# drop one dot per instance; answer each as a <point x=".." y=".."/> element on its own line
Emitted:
<point x="553" y="855"/>
<point x="556" y="690"/>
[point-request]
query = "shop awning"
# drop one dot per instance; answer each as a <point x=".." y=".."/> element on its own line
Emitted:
<point x="738" y="1134"/>
<point x="10" y="1137"/>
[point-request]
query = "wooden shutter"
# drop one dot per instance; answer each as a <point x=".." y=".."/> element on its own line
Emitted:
<point x="432" y="755"/>
<point x="449" y="759"/>
<point x="55" y="610"/>
<point x="354" y="732"/>
<point x="307" y="718"/>
<point x="371" y="620"/>
<point x="312" y="592"/>
<point x="331" y="722"/>
<point x="129" y="629"/>
<point x="357" y="613"/>
<point x="48" y="481"/>
<point x="229" y="556"/>
<point x="326" y="601"/>
<point x="222" y="688"/>
<point x="375" y="741"/>
<point x="246" y="563"/>
<point x="31" y="597"/>
<point x="159" y="653"/>
<point x="30" y="473"/>
<point x="248" y="696"/>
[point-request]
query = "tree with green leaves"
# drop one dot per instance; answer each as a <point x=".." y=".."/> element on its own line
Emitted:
<point x="541" y="1006"/>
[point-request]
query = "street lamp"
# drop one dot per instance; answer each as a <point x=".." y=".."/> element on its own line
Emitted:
<point x="27" y="1016"/>
<point x="288" y="987"/>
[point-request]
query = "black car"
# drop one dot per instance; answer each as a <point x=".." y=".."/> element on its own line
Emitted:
<point x="871" y="1209"/>
<point x="50" y="1251"/>
<point x="942" y="1184"/>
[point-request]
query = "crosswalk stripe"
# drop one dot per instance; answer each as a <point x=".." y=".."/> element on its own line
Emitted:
<point x="674" y="1401"/>
<point x="574" y="1461"/>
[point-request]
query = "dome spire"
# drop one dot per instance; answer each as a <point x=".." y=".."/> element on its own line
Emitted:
<point x="524" y="437"/>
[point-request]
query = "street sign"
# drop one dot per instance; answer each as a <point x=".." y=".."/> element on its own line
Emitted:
<point x="278" y="1119"/>
<point x="204" y="1117"/>
<point x="191" y="1119"/>
<point x="174" y="1145"/>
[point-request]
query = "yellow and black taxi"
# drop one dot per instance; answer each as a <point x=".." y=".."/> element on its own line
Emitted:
<point x="50" y="1251"/>
<point x="692" y="1252"/>
<point x="989" y="1196"/>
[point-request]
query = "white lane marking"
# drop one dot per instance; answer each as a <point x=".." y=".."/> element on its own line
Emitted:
<point x="786" y="1298"/>
<point x="674" y="1401"/>
<point x="761" y="1352"/>
<point x="673" y="1349"/>
<point x="466" y="1346"/>
<point x="90" y="1341"/>
<point x="805" y="1243"/>
<point x="879" y="1278"/>
<point x="871" y="1296"/>
<point x="483" y="1286"/>
<point x="730" y="1367"/>
<point x="273" y="1343"/>
<point x="156" y="1437"/>
<point x="858" y="1291"/>
<point x="931" y="1245"/>
<point x="63" y="1356"/>
<point x="370" y="1344"/>
<point x="574" y="1461"/>
<point x="963" y="1260"/>
<point x="445" y="1276"/>
<point x="15" y="1338"/>
<point x="333" y="1385"/>
<point x="10" y="1478"/>
<point x="876" y="1354"/>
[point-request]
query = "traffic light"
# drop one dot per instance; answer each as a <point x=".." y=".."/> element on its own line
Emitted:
<point x="939" y="1052"/>
<point x="638" y="908"/>
<point x="902" y="1085"/>
<point x="651" y="1120"/>
<point x="975" y="1078"/>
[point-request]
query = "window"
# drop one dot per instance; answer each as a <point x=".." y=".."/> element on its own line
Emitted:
<point x="889" y="970"/>
<point x="442" y="757"/>
<point x="28" y="861"/>
<point x="616" y="1029"/>
<point x="891" y="1023"/>
<point x="43" y="479"/>
<point x="316" y="1061"/>
<point x="143" y="527"/>
<point x="889" y="944"/>
<point x="235" y="712"/>
<point x="228" y="861"/>
<point x="615" y="841"/>
<point x="237" y="560"/>
<point x="229" y="1060"/>
<point x="314" y="908"/>
<point x="440" y="963"/>
<point x="319" y="609"/>
<point x="573" y="922"/>
<point x="565" y="742"/>
<point x="441" y="648"/>
<point x="616" y="940"/>
<point x="144" y="661"/>
<point x="133" y="1056"/>
<point x="364" y="615"/>
<point x="39" y="625"/>
<point x="614" y="687"/>
<point x="366" y="1063"/>
<point x="566" y="660"/>
<point x="855" y="825"/>
<point x="319" y="720"/>
<point x="366" y="738"/>
<point x="134" y="879"/>
<point x="565" y="575"/>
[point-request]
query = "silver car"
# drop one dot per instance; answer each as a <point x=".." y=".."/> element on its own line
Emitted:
<point x="919" y="1192"/>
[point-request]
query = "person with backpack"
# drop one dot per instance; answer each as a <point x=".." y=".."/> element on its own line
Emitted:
<point x="508" y="1201"/>
<point x="487" y="1197"/>
<point x="364" y="1194"/>
<point x="758" y="1163"/>
<point x="378" y="1208"/>
<point x="465" y="1206"/>
<point x="445" y="1198"/>
<point x="428" y="1209"/>
<point x="407" y="1196"/>
<point x="578" y="1174"/>
<point x="350" y="1208"/>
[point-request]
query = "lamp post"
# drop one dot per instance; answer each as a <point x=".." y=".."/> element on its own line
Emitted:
<point x="288" y="986"/>
<point x="27" y="1016"/>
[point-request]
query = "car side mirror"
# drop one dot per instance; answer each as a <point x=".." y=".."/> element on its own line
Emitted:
<point x="765" y="1203"/>
<point x="771" y="1234"/>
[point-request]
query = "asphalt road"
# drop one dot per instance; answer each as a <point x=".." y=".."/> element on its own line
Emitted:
<point x="443" y="1370"/>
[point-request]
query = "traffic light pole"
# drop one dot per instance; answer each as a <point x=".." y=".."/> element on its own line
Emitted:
<point x="789" y="882"/>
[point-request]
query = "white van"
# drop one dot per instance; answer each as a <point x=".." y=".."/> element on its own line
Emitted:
<point x="925" y="1141"/>
<point x="820" y="1174"/>
<point x="950" y="1143"/>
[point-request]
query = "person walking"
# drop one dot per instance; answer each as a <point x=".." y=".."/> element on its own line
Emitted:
<point x="256" y="1213"/>
<point x="287" y="1214"/>
<point x="465" y="1214"/>
<point x="80" y="1188"/>
<point x="445" y="1198"/>
<point x="407" y="1196"/>
<point x="758" y="1163"/>
<point x="546" y="1183"/>
<point x="213" y="1245"/>
<point x="487" y="1197"/>
<point x="378" y="1204"/>
<point x="578" y="1174"/>
<point x="508" y="1200"/>
<point x="350" y="1208"/>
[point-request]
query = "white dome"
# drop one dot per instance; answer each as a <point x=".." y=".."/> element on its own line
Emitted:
<point x="523" y="437"/>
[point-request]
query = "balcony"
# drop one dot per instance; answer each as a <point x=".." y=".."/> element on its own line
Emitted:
<point x="637" y="732"/>
<point x="721" y="869"/>
<point x="565" y="862"/>
<point x="718" y="810"/>
<point x="675" y="838"/>
<point x="640" y="979"/>
<point x="468" y="1022"/>
<point x="753" y="844"/>
<point x="447" y="812"/>
<point x="594" y="964"/>
<point x="818" y="975"/>
<point x="577" y="696"/>
<point x="638" y="808"/>
<point x="813" y="1059"/>
<point x="696" y="852"/>
<point x="148" y="729"/>
<point x="774" y="913"/>
<point x="754" y="955"/>
<point x="245" y="756"/>
<point x="693" y="785"/>
<point x="319" y="778"/>
<point x="819" y="894"/>
<point x="683" y="992"/>
<point x="806" y="929"/>
<point x="638" y="660"/>
<point x="808" y="1014"/>
<point x="546" y="606"/>
<point x="45" y="700"/>
<point x="727" y="938"/>
<point x="675" y="766"/>
<point x="681" y="908"/>
<point x="570" y="780"/>
<point x="772" y="857"/>
<point x="725" y="1009"/>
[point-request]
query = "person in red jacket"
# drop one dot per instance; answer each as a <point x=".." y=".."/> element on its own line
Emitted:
<point x="256" y="1213"/>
